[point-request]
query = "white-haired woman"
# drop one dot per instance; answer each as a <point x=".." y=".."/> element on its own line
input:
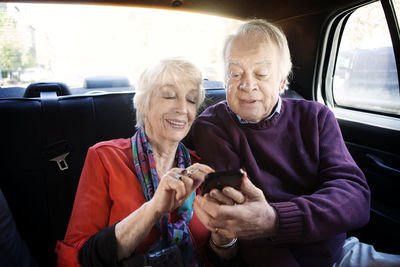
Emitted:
<point x="133" y="205"/>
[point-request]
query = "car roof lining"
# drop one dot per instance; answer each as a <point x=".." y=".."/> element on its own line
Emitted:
<point x="273" y="10"/>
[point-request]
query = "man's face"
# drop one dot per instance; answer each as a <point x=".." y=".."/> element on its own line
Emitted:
<point x="253" y="80"/>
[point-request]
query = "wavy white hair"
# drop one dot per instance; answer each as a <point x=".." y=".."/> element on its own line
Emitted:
<point x="156" y="75"/>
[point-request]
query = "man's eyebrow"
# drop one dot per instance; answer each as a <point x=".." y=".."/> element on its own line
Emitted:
<point x="233" y="62"/>
<point x="266" y="62"/>
<point x="168" y="85"/>
<point x="263" y="62"/>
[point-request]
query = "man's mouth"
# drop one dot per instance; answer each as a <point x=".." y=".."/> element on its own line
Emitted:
<point x="248" y="101"/>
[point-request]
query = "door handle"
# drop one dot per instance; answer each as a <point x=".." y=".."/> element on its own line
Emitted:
<point x="379" y="163"/>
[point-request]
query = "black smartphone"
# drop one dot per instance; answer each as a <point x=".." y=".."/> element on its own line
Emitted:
<point x="220" y="179"/>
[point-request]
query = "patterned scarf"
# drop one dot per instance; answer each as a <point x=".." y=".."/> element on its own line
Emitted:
<point x="171" y="233"/>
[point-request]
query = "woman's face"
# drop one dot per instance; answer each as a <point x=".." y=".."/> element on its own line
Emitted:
<point x="171" y="111"/>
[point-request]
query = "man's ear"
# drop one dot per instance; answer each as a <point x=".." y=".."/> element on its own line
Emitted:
<point x="282" y="86"/>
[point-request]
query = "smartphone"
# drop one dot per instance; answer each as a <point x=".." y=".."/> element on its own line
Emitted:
<point x="220" y="179"/>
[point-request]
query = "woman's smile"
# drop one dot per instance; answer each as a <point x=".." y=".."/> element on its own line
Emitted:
<point x="177" y="124"/>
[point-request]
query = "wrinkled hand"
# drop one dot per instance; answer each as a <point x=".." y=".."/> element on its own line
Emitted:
<point x="244" y="214"/>
<point x="176" y="186"/>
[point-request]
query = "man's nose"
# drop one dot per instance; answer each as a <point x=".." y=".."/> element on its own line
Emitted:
<point x="248" y="83"/>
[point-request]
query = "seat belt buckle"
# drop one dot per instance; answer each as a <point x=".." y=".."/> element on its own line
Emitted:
<point x="58" y="152"/>
<point x="61" y="162"/>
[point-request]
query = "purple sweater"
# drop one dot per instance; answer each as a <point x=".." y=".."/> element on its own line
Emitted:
<point x="300" y="162"/>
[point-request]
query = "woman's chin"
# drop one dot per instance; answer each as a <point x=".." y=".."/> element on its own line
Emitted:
<point x="177" y="136"/>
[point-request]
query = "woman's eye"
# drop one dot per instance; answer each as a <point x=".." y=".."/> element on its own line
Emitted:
<point x="191" y="101"/>
<point x="169" y="97"/>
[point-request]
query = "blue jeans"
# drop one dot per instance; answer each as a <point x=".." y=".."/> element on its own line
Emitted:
<point x="357" y="254"/>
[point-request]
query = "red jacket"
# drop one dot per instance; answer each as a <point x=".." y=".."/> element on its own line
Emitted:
<point x="109" y="191"/>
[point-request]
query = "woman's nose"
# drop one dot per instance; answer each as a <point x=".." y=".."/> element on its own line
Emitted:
<point x="181" y="106"/>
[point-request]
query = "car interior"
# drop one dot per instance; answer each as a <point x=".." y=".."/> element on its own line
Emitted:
<point x="47" y="125"/>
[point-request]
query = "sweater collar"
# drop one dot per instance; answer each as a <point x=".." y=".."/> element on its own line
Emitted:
<point x="275" y="113"/>
<point x="267" y="122"/>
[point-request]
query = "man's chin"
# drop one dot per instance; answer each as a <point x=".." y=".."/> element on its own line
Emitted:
<point x="249" y="117"/>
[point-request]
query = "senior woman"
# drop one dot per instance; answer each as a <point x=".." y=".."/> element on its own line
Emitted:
<point x="133" y="205"/>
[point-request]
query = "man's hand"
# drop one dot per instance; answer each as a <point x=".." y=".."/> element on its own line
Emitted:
<point x="251" y="217"/>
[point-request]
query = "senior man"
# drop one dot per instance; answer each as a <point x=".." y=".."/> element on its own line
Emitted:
<point x="301" y="189"/>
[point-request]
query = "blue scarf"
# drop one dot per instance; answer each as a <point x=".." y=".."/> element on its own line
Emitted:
<point x="171" y="233"/>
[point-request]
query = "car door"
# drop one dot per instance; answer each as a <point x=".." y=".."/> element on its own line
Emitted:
<point x="358" y="77"/>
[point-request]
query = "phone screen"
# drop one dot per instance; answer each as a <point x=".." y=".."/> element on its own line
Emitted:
<point x="220" y="179"/>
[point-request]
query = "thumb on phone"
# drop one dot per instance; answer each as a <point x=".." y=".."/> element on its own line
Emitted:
<point x="249" y="189"/>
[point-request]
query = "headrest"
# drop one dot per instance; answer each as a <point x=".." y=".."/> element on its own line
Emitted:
<point x="34" y="89"/>
<point x="106" y="82"/>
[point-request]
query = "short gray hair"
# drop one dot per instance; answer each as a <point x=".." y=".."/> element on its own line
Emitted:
<point x="154" y="77"/>
<point x="269" y="33"/>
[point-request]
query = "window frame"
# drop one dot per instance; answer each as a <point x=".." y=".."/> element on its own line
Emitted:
<point x="326" y="65"/>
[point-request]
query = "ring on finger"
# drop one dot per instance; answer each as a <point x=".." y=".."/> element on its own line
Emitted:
<point x="216" y="230"/>
<point x="187" y="172"/>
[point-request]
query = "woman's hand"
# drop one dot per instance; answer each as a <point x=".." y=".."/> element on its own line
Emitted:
<point x="176" y="186"/>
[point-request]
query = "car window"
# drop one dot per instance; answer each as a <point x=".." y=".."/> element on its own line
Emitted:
<point x="83" y="45"/>
<point x="365" y="75"/>
<point x="396" y="5"/>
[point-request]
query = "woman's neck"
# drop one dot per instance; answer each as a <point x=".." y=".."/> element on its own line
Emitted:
<point x="164" y="156"/>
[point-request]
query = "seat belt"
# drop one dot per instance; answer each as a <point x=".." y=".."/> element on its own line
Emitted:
<point x="55" y="151"/>
<point x="56" y="148"/>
